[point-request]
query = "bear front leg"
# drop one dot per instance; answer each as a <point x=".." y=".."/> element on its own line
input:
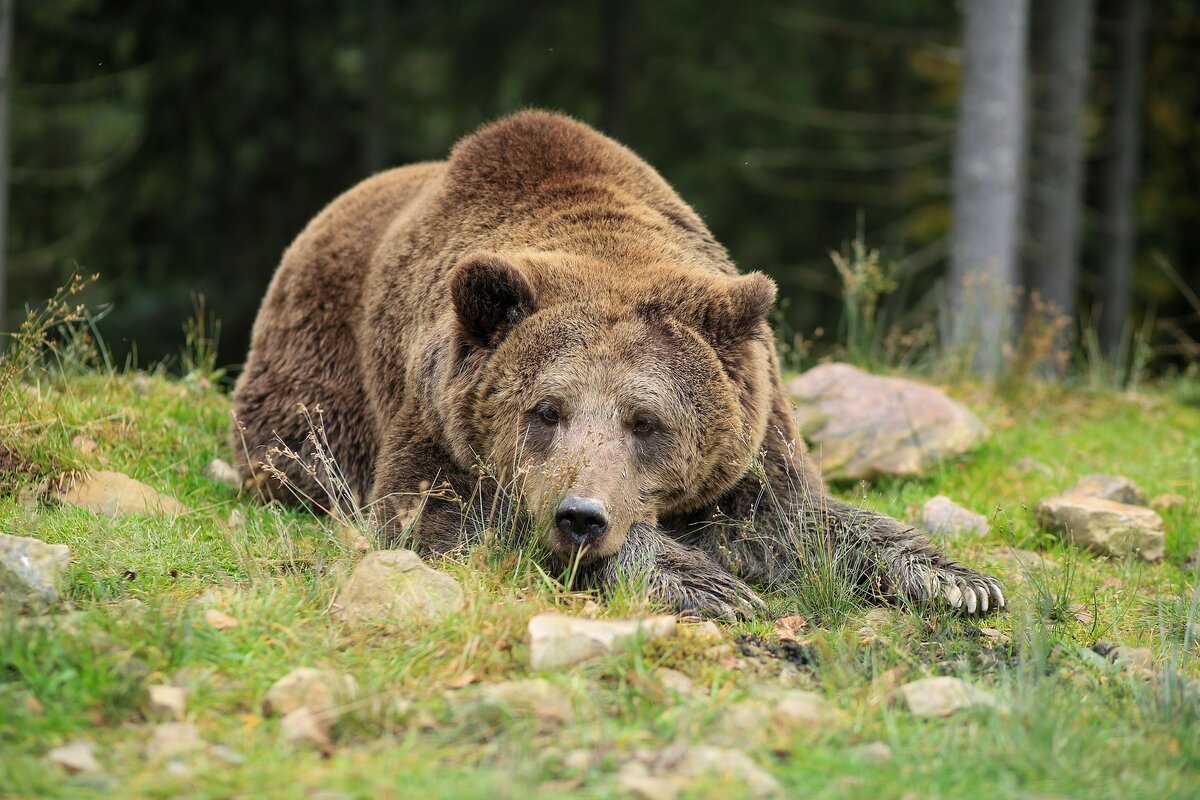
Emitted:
<point x="676" y="575"/>
<point x="773" y="528"/>
<point x="420" y="494"/>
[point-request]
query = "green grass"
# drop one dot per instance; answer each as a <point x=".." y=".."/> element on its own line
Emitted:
<point x="1069" y="728"/>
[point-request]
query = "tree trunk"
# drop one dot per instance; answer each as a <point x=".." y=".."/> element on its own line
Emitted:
<point x="6" y="26"/>
<point x="1057" y="168"/>
<point x="375" y="144"/>
<point x="989" y="144"/>
<point x="1120" y="189"/>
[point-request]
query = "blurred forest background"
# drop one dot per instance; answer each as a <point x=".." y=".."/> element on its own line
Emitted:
<point x="177" y="147"/>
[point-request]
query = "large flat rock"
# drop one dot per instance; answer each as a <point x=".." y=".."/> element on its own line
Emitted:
<point x="1104" y="526"/>
<point x="862" y="425"/>
<point x="31" y="571"/>
<point x="556" y="640"/>
<point x="114" y="493"/>
<point x="396" y="586"/>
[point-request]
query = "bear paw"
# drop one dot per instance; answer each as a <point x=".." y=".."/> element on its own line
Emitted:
<point x="961" y="588"/>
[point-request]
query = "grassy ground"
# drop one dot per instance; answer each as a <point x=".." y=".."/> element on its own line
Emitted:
<point x="1069" y="728"/>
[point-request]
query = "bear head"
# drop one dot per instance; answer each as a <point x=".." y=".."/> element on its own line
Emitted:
<point x="610" y="400"/>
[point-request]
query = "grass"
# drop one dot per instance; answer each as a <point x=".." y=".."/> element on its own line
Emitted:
<point x="138" y="587"/>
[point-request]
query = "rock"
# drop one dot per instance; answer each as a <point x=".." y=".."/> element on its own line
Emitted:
<point x="112" y="493"/>
<point x="321" y="691"/>
<point x="1018" y="560"/>
<point x="1134" y="658"/>
<point x="863" y="425"/>
<point x="676" y="769"/>
<point x="673" y="680"/>
<point x="223" y="472"/>
<point x="1168" y="502"/>
<point x="941" y="515"/>
<point x="396" y="586"/>
<point x="1104" y="526"/>
<point x="220" y="620"/>
<point x="943" y="696"/>
<point x="172" y="739"/>
<point x="31" y="571"/>
<point x="492" y="704"/>
<point x="1030" y="466"/>
<point x="1116" y="488"/>
<point x="775" y="713"/>
<point x="301" y="728"/>
<point x="75" y="757"/>
<point x="875" y="623"/>
<point x="556" y="640"/>
<point x="167" y="703"/>
<point x="876" y="752"/>
<point x="706" y="630"/>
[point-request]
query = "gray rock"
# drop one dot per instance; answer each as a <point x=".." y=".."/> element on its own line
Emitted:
<point x="1104" y="526"/>
<point x="557" y="640"/>
<point x="941" y="515"/>
<point x="31" y="571"/>
<point x="223" y="472"/>
<point x="301" y="728"/>
<point x="877" y="752"/>
<point x="75" y="757"/>
<point x="114" y="494"/>
<point x="492" y="703"/>
<point x="323" y="692"/>
<point x="664" y="775"/>
<point x="172" y="739"/>
<point x="167" y="702"/>
<point x="863" y="425"/>
<point x="674" y="681"/>
<point x="1116" y="488"/>
<point x="943" y="696"/>
<point x="396" y="586"/>
<point x="779" y="713"/>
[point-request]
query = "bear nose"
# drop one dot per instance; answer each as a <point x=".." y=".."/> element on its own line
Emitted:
<point x="581" y="519"/>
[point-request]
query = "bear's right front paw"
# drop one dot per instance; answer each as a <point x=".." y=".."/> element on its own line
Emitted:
<point x="962" y="588"/>
<point x="721" y="597"/>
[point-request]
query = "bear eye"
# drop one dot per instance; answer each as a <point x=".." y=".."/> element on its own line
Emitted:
<point x="548" y="413"/>
<point x="644" y="426"/>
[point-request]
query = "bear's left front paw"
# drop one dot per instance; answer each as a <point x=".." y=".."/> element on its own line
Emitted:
<point x="963" y="589"/>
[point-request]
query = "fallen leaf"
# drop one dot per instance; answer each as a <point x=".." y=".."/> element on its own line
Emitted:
<point x="220" y="620"/>
<point x="465" y="679"/>
<point x="787" y="628"/>
<point x="1081" y="613"/>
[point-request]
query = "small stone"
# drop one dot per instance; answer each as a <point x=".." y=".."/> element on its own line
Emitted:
<point x="178" y="769"/>
<point x="302" y="728"/>
<point x="321" y="691"/>
<point x="113" y="493"/>
<point x="75" y="757"/>
<point x="579" y="759"/>
<point x="557" y="640"/>
<point x="1168" y="502"/>
<point x="531" y="697"/>
<point x="396" y="586"/>
<point x="167" y="702"/>
<point x="220" y="620"/>
<point x="223" y="472"/>
<point x="1104" y="526"/>
<point x="677" y="769"/>
<point x="706" y="630"/>
<point x="867" y="425"/>
<point x="673" y="680"/>
<point x="876" y="752"/>
<point x="172" y="739"/>
<point x="1019" y="561"/>
<point x="84" y="445"/>
<point x="876" y="622"/>
<point x="227" y="754"/>
<point x="1132" y="657"/>
<point x="1116" y="488"/>
<point x="941" y="515"/>
<point x="31" y="571"/>
<point x="943" y="696"/>
<point x="1031" y="466"/>
<point x="779" y="713"/>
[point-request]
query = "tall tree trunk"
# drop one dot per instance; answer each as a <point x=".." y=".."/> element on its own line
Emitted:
<point x="1120" y="189"/>
<point x="988" y="157"/>
<point x="615" y="66"/>
<point x="6" y="27"/>
<point x="375" y="144"/>
<point x="1063" y="32"/>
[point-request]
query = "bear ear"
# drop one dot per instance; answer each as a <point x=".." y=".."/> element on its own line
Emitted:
<point x="750" y="299"/>
<point x="490" y="296"/>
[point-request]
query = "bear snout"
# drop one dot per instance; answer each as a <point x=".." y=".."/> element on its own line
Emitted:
<point x="581" y="519"/>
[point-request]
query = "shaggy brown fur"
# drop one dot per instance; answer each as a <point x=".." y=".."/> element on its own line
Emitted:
<point x="544" y="303"/>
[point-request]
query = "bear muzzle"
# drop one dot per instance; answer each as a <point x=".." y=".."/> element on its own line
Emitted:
<point x="582" y="520"/>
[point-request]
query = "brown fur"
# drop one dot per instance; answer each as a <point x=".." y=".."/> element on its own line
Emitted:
<point x="545" y="304"/>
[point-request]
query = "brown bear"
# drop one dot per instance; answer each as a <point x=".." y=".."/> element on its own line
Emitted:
<point x="543" y="311"/>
